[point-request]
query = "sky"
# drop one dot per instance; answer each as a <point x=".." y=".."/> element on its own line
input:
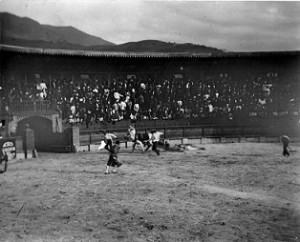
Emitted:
<point x="227" y="25"/>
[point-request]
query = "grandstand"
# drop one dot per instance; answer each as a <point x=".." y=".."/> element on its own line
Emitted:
<point x="186" y="95"/>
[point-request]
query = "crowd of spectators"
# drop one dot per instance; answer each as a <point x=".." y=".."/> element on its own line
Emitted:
<point x="136" y="97"/>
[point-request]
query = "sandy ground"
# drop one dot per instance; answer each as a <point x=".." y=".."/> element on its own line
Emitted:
<point x="227" y="192"/>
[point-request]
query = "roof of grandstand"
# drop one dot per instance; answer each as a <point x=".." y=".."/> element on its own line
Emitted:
<point x="42" y="51"/>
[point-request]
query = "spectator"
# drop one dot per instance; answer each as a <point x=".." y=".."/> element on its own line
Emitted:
<point x="222" y="95"/>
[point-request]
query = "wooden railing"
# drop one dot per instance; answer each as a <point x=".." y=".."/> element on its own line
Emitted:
<point x="33" y="106"/>
<point x="198" y="131"/>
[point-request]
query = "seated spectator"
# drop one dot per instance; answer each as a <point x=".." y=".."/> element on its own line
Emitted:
<point x="134" y="116"/>
<point x="179" y="110"/>
<point x="222" y="95"/>
<point x="115" y="115"/>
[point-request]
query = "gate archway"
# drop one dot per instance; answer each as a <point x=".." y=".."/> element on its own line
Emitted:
<point x="42" y="129"/>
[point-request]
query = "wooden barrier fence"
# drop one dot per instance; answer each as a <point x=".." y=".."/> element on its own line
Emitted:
<point x="199" y="131"/>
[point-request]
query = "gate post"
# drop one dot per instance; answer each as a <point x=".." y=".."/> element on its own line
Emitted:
<point x="74" y="138"/>
<point x="29" y="143"/>
<point x="19" y="148"/>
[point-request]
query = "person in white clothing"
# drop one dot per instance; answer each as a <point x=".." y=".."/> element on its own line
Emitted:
<point x="108" y="139"/>
<point x="155" y="137"/>
<point x="43" y="86"/>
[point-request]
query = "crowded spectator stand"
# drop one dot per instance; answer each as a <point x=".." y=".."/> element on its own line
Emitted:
<point x="224" y="97"/>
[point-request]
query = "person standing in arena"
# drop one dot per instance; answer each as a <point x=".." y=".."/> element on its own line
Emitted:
<point x="155" y="137"/>
<point x="285" y="141"/>
<point x="108" y="139"/>
<point x="113" y="158"/>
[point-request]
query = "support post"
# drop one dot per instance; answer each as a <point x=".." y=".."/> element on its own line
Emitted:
<point x="74" y="138"/>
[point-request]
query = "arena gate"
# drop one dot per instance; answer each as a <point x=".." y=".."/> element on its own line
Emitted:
<point x="42" y="129"/>
<point x="44" y="119"/>
<point x="45" y="138"/>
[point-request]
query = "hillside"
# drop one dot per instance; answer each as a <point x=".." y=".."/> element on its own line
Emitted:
<point x="25" y="32"/>
<point x="14" y="28"/>
<point x="157" y="46"/>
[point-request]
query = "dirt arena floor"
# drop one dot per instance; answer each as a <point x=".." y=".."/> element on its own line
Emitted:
<point x="222" y="192"/>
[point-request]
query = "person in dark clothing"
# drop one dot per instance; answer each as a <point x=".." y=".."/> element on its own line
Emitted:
<point x="285" y="141"/>
<point x="108" y="139"/>
<point x="155" y="137"/>
<point x="113" y="158"/>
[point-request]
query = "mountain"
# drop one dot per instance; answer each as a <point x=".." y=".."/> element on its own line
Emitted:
<point x="22" y="31"/>
<point x="157" y="46"/>
<point x="19" y="30"/>
<point x="41" y="44"/>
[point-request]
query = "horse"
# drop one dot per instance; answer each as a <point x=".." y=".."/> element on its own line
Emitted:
<point x="141" y="139"/>
<point x="181" y="147"/>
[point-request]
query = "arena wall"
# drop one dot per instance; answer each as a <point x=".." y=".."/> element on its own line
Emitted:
<point x="89" y="141"/>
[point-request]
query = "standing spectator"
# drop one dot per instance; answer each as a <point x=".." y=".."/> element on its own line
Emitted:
<point x="43" y="87"/>
<point x="88" y="118"/>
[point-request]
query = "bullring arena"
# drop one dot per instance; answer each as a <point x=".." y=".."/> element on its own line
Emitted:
<point x="221" y="192"/>
<point x="229" y="181"/>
